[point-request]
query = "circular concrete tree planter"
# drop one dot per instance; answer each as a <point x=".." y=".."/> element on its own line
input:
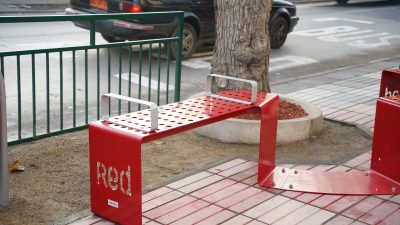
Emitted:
<point x="248" y="131"/>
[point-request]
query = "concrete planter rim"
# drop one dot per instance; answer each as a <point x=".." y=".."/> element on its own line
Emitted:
<point x="289" y="131"/>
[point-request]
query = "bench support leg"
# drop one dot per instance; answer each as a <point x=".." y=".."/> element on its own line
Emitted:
<point x="267" y="146"/>
<point x="382" y="178"/>
<point x="115" y="175"/>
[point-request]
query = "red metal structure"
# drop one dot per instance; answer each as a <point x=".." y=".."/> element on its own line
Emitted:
<point x="390" y="83"/>
<point x="115" y="151"/>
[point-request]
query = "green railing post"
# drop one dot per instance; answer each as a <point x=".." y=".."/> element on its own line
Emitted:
<point x="33" y="96"/>
<point x="19" y="100"/>
<point x="92" y="32"/>
<point x="3" y="146"/>
<point x="179" y="33"/>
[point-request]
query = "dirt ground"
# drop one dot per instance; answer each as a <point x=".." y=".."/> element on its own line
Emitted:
<point x="55" y="183"/>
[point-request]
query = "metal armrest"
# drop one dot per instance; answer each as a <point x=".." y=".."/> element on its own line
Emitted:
<point x="153" y="109"/>
<point x="252" y="83"/>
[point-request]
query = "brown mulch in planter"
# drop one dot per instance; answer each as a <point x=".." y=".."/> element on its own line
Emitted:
<point x="286" y="111"/>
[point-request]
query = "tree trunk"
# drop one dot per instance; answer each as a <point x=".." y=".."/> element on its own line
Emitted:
<point x="242" y="46"/>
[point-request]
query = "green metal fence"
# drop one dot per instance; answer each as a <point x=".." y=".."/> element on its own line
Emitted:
<point x="54" y="90"/>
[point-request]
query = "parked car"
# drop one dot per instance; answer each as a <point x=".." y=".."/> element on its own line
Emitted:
<point x="199" y="26"/>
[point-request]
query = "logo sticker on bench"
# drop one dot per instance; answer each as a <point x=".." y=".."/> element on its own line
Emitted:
<point x="112" y="203"/>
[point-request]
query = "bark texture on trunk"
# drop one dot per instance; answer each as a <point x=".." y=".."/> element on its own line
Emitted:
<point x="242" y="46"/>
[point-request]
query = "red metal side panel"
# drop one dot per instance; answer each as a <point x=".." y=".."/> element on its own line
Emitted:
<point x="268" y="132"/>
<point x="390" y="83"/>
<point x="386" y="142"/>
<point x="115" y="175"/>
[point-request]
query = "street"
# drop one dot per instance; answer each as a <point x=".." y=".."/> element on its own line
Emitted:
<point x="328" y="37"/>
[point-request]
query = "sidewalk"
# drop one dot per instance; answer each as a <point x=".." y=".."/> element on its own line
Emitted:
<point x="228" y="193"/>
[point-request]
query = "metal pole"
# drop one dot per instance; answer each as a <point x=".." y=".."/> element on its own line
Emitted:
<point x="3" y="146"/>
<point x="178" y="65"/>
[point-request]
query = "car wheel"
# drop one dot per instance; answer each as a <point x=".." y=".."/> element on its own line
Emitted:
<point x="189" y="42"/>
<point x="111" y="39"/>
<point x="342" y="2"/>
<point x="278" y="31"/>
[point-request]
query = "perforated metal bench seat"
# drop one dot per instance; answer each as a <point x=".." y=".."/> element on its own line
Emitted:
<point x="186" y="115"/>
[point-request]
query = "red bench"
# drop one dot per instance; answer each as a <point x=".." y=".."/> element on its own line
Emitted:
<point x="115" y="151"/>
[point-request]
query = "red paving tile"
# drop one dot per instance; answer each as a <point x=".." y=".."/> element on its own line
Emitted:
<point x="155" y="194"/>
<point x="362" y="207"/>
<point x="280" y="212"/>
<point x="298" y="215"/>
<point x="199" y="215"/>
<point x="238" y="197"/>
<point x="339" y="169"/>
<point x="384" y="196"/>
<point x="217" y="218"/>
<point x="250" y="202"/>
<point x="104" y="222"/>
<point x="87" y="220"/>
<point x="370" y="124"/>
<point x="396" y="199"/>
<point x="226" y="192"/>
<point x="307" y="197"/>
<point x="356" y="118"/>
<point x="145" y="220"/>
<point x="291" y="194"/>
<point x="336" y="114"/>
<point x="365" y="120"/>
<point x="266" y="206"/>
<point x="358" y="160"/>
<point x="227" y="165"/>
<point x="182" y="212"/>
<point x="189" y="180"/>
<point x="200" y="184"/>
<point x="323" y="167"/>
<point x="329" y="111"/>
<point x="357" y="107"/>
<point x="340" y="220"/>
<point x="237" y="169"/>
<point x="275" y="191"/>
<point x="237" y="220"/>
<point x="160" y="200"/>
<point x="325" y="200"/>
<point x="152" y="223"/>
<point x="245" y="174"/>
<point x="317" y="218"/>
<point x="287" y="165"/>
<point x="357" y="223"/>
<point x="255" y="222"/>
<point x="365" y="166"/>
<point x="303" y="167"/>
<point x="344" y="203"/>
<point x="169" y="207"/>
<point x="251" y="180"/>
<point x="379" y="213"/>
<point x="213" y="188"/>
<point x="346" y="116"/>
<point x="392" y="219"/>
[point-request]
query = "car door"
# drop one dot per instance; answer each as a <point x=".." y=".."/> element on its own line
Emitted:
<point x="204" y="10"/>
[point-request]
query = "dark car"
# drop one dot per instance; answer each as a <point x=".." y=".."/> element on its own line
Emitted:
<point x="199" y="26"/>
